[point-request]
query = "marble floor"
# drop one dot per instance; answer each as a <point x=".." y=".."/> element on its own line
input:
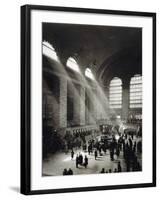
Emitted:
<point x="55" y="164"/>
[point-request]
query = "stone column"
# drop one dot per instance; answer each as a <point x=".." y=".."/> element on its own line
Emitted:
<point x="98" y="105"/>
<point x="51" y="102"/>
<point x="76" y="104"/>
<point x="106" y="103"/>
<point x="63" y="103"/>
<point x="82" y="105"/>
<point x="125" y="97"/>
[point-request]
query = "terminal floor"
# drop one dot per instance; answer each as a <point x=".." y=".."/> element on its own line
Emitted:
<point x="55" y="164"/>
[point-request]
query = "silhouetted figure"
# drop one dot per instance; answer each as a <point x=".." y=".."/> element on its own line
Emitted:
<point x="132" y="136"/>
<point x="117" y="151"/>
<point x="80" y="159"/>
<point x="102" y="171"/>
<point x="128" y="165"/>
<point x="64" y="172"/>
<point x="115" y="170"/>
<point x="139" y="168"/>
<point x="107" y="171"/>
<point x="111" y="154"/>
<point x="136" y="165"/>
<point x="104" y="149"/>
<point x="89" y="149"/>
<point x="100" y="151"/>
<point x="119" y="167"/>
<point x="139" y="147"/>
<point x="95" y="154"/>
<point x="124" y="148"/>
<point x="72" y="154"/>
<point x="130" y="143"/>
<point x="110" y="171"/>
<point x="84" y="147"/>
<point x="134" y="147"/>
<point x="112" y="150"/>
<point x="85" y="162"/>
<point x="128" y="156"/>
<point x="120" y="141"/>
<point x="77" y="161"/>
<point x="70" y="172"/>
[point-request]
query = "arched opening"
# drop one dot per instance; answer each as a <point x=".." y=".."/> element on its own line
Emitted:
<point x="72" y="64"/>
<point x="89" y="74"/>
<point x="136" y="92"/>
<point x="49" y="51"/>
<point x="115" y="93"/>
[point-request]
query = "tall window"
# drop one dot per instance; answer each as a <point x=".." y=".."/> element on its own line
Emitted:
<point x="136" y="92"/>
<point x="72" y="64"/>
<point x="49" y="51"/>
<point x="89" y="74"/>
<point x="115" y="93"/>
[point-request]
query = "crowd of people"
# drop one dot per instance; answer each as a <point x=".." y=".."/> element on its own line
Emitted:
<point x="77" y="139"/>
<point x="125" y="147"/>
<point x="118" y="169"/>
<point x="80" y="160"/>
<point x="128" y="146"/>
<point x="67" y="172"/>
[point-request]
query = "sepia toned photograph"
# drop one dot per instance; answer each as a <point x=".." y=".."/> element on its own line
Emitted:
<point x="92" y="99"/>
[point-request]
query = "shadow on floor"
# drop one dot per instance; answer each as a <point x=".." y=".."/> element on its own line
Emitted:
<point x="15" y="189"/>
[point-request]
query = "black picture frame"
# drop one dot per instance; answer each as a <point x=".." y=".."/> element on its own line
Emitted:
<point x="26" y="98"/>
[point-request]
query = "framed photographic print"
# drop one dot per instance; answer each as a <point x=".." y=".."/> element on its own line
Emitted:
<point x="88" y="99"/>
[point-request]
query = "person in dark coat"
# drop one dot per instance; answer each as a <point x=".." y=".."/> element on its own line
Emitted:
<point x="77" y="161"/>
<point x="72" y="154"/>
<point x="64" y="172"/>
<point x="115" y="170"/>
<point x="85" y="162"/>
<point x="80" y="159"/>
<point x="95" y="154"/>
<point x="89" y="149"/>
<point x="134" y="147"/>
<point x="70" y="172"/>
<point x="112" y="150"/>
<point x="102" y="171"/>
<point x="100" y="150"/>
<point x="117" y="151"/>
<point x="130" y="143"/>
<point x="110" y="171"/>
<point x="119" y="167"/>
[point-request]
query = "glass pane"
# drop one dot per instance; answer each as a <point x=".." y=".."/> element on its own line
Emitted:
<point x="115" y="93"/>
<point x="136" y="92"/>
<point x="72" y="64"/>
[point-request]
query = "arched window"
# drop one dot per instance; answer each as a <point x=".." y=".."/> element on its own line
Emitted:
<point x="89" y="74"/>
<point x="136" y="92"/>
<point x="49" y="51"/>
<point x="115" y="93"/>
<point x="72" y="64"/>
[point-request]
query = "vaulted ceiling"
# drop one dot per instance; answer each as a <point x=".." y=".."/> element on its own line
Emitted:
<point x="106" y="50"/>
